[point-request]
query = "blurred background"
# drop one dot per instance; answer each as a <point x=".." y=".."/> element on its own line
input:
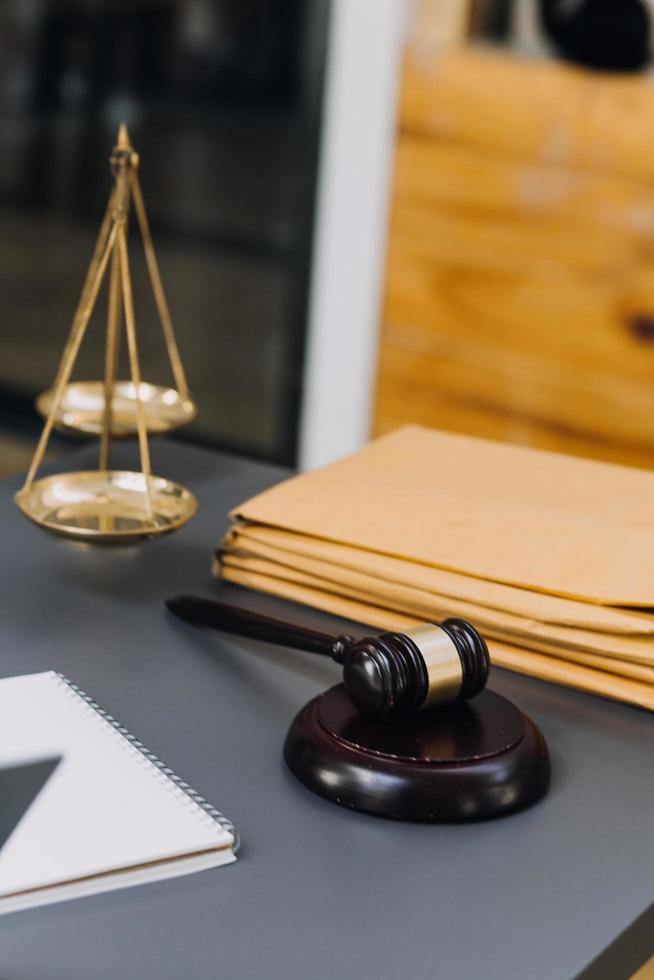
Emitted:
<point x="519" y="299"/>
<point x="367" y="213"/>
<point x="222" y="101"/>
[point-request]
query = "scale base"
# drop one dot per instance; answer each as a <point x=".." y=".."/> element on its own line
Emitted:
<point x="81" y="410"/>
<point x="106" y="505"/>
<point x="472" y="760"/>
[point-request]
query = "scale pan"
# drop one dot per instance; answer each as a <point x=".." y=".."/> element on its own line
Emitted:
<point x="82" y="408"/>
<point x="106" y="505"/>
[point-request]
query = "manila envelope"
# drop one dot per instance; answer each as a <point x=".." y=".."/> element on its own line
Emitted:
<point x="292" y="549"/>
<point x="429" y="607"/>
<point x="536" y="520"/>
<point x="548" y="668"/>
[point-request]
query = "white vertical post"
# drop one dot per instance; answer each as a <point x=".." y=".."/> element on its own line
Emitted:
<point x="359" y="122"/>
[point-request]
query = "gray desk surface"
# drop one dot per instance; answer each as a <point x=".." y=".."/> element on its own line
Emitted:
<point x="318" y="892"/>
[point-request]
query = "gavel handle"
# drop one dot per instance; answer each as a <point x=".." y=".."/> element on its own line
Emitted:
<point x="243" y="622"/>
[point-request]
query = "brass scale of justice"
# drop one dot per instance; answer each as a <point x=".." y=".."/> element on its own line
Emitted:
<point x="104" y="504"/>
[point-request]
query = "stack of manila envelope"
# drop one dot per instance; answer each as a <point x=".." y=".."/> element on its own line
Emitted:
<point x="549" y="556"/>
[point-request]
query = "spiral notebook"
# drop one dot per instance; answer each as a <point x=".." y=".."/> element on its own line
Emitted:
<point x="110" y="815"/>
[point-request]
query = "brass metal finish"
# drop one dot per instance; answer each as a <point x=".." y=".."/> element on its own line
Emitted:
<point x="110" y="362"/>
<point x="442" y="661"/>
<point x="159" y="417"/>
<point x="71" y="350"/>
<point x="83" y="406"/>
<point x="157" y="288"/>
<point x="106" y="505"/>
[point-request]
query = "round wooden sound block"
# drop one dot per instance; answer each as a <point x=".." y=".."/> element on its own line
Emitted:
<point x="471" y="760"/>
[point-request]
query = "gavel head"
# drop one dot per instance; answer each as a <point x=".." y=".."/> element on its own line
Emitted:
<point x="397" y="674"/>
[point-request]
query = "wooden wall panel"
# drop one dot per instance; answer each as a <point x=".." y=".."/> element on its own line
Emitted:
<point x="520" y="288"/>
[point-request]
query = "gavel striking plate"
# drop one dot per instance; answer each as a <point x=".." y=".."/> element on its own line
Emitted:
<point x="411" y="733"/>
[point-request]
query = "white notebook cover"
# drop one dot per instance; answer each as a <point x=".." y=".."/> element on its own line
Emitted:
<point x="111" y="814"/>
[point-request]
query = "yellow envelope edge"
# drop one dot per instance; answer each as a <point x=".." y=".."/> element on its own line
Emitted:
<point x="533" y="664"/>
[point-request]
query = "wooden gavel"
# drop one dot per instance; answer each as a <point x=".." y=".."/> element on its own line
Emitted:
<point x="390" y="675"/>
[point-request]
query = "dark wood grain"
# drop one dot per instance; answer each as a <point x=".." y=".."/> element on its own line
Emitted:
<point x="474" y="760"/>
<point x="384" y="675"/>
<point x="244" y="622"/>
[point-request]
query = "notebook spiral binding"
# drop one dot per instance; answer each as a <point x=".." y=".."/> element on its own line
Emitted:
<point x="203" y="805"/>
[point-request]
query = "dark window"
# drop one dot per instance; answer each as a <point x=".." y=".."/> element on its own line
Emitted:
<point x="222" y="101"/>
